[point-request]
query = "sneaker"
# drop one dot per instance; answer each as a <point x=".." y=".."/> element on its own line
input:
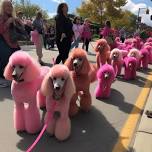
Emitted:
<point x="4" y="83"/>
<point x="42" y="63"/>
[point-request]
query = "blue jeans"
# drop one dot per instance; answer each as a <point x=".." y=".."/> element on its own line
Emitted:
<point x="75" y="43"/>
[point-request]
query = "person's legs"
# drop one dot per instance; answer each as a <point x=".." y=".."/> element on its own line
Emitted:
<point x="87" y="44"/>
<point x="39" y="46"/>
<point x="66" y="49"/>
<point x="59" y="57"/>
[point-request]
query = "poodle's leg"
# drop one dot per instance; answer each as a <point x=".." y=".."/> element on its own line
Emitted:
<point x="32" y="118"/>
<point x="41" y="100"/>
<point x="73" y="105"/>
<point x="107" y="91"/>
<point x="99" y="91"/>
<point x="51" y="123"/>
<point x="119" y="69"/>
<point x="63" y="128"/>
<point x="85" y="101"/>
<point x="19" y="121"/>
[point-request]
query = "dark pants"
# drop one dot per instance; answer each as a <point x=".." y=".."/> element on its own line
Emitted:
<point x="5" y="53"/>
<point x="122" y="39"/>
<point x="64" y="48"/>
<point x="45" y="40"/>
<point x="85" y="44"/>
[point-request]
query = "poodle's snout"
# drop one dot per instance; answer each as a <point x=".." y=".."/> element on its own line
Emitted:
<point x="106" y="75"/>
<point x="57" y="87"/>
<point x="75" y="64"/>
<point x="14" y="76"/>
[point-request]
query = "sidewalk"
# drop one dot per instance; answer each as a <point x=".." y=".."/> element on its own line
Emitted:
<point x="143" y="135"/>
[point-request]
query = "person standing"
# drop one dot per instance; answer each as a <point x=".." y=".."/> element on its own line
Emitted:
<point x="77" y="29"/>
<point x="64" y="33"/>
<point x="108" y="34"/>
<point x="122" y="34"/>
<point x="39" y="28"/>
<point x="86" y="34"/>
<point x="7" y="46"/>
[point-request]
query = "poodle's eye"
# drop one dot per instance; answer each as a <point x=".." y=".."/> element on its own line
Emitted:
<point x="13" y="66"/>
<point x="80" y="59"/>
<point x="54" y="78"/>
<point x="21" y="67"/>
<point x="62" y="79"/>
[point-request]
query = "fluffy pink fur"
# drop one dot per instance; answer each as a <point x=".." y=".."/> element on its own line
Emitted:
<point x="102" y="50"/>
<point x="61" y="126"/>
<point x="116" y="62"/>
<point x="26" y="113"/>
<point x="103" y="88"/>
<point x="137" y="55"/>
<point x="82" y="82"/>
<point x="144" y="58"/>
<point x="149" y="48"/>
<point x="130" y="68"/>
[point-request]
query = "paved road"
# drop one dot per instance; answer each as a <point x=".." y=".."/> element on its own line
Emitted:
<point x="102" y="124"/>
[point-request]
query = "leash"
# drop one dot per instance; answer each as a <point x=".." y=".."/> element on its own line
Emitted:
<point x="46" y="124"/>
<point x="43" y="130"/>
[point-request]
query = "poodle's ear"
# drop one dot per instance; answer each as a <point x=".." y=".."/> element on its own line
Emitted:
<point x="86" y="66"/>
<point x="8" y="72"/>
<point x="70" y="87"/>
<point x="69" y="63"/>
<point x="47" y="86"/>
<point x="32" y="70"/>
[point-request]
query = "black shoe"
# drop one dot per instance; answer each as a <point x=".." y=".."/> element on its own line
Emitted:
<point x="42" y="63"/>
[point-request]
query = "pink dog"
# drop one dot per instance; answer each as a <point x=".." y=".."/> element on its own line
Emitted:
<point x="26" y="76"/>
<point x="149" y="48"/>
<point x="81" y="69"/>
<point x="136" y="54"/>
<point x="116" y="60"/>
<point x="130" y="68"/>
<point x="59" y="88"/>
<point x="105" y="76"/>
<point x="144" y="58"/>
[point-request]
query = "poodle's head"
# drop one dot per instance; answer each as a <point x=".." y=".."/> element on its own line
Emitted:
<point x="149" y="39"/>
<point x="128" y="42"/>
<point x="117" y="39"/>
<point x="58" y="83"/>
<point x="78" y="61"/>
<point x="106" y="73"/>
<point x="131" y="63"/>
<point x="21" y="67"/>
<point x="144" y="52"/>
<point x="134" y="42"/>
<point x="102" y="46"/>
<point x="116" y="55"/>
<point x="148" y="47"/>
<point x="134" y="53"/>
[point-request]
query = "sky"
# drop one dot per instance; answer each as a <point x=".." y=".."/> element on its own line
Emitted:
<point x="133" y="5"/>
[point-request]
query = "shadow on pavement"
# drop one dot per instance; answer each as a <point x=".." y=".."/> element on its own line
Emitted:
<point x="117" y="99"/>
<point x="5" y="93"/>
<point x="139" y="81"/>
<point x="91" y="132"/>
<point x="145" y="71"/>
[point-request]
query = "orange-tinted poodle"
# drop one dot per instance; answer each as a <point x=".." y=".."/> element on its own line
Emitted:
<point x="80" y="68"/>
<point x="102" y="50"/>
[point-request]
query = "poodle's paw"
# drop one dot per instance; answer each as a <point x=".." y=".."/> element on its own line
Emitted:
<point x="73" y="111"/>
<point x="86" y="108"/>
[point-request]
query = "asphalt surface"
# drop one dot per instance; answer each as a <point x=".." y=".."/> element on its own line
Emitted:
<point x="95" y="131"/>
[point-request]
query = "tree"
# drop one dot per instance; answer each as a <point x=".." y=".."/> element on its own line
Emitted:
<point x="127" y="20"/>
<point x="29" y="9"/>
<point x="100" y="10"/>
